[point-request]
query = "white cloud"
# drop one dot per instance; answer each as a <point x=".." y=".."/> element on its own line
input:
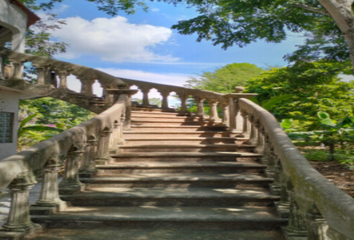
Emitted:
<point x="169" y="79"/>
<point x="155" y="10"/>
<point x="113" y="39"/>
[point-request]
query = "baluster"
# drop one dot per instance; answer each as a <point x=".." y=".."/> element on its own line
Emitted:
<point x="103" y="146"/>
<point x="115" y="136"/>
<point x="164" y="94"/>
<point x="213" y="110"/>
<point x="2" y="67"/>
<point x="233" y="110"/>
<point x="121" y="136"/>
<point x="183" y="97"/>
<point x="225" y="114"/>
<point x="18" y="69"/>
<point x="19" y="218"/>
<point x="88" y="164"/>
<point x="253" y="133"/>
<point x="317" y="225"/>
<point x="145" y="91"/>
<point x="86" y="84"/>
<point x="200" y="105"/>
<point x="71" y="182"/>
<point x="40" y="73"/>
<point x="49" y="193"/>
<point x="63" y="74"/>
<point x="297" y="224"/>
<point x="259" y="137"/>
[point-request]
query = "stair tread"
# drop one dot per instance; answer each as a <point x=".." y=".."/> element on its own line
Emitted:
<point x="152" y="213"/>
<point x="181" y="138"/>
<point x="178" y="177"/>
<point x="188" y="146"/>
<point x="140" y="164"/>
<point x="162" y="132"/>
<point x="173" y="193"/>
<point x="185" y="154"/>
<point x="155" y="234"/>
<point x="175" y="126"/>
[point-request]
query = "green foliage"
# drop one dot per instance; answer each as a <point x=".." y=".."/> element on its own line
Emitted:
<point x="42" y="118"/>
<point x="304" y="89"/>
<point x="152" y="101"/>
<point x="226" y="78"/>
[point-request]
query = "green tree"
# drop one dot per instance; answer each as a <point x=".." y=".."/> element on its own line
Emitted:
<point x="314" y="87"/>
<point x="226" y="78"/>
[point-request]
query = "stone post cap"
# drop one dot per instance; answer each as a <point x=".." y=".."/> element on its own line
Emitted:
<point x="239" y="89"/>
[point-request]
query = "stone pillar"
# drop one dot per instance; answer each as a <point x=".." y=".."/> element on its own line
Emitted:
<point x="2" y="67"/>
<point x="225" y="114"/>
<point x="48" y="77"/>
<point x="164" y="94"/>
<point x="297" y="227"/>
<point x="19" y="219"/>
<point x="200" y="105"/>
<point x="63" y="78"/>
<point x="40" y="74"/>
<point x="213" y="110"/>
<point x="245" y="129"/>
<point x="317" y="225"/>
<point x="18" y="69"/>
<point x="145" y="92"/>
<point x="103" y="147"/>
<point x="71" y="182"/>
<point x="232" y="114"/>
<point x="253" y="133"/>
<point x="121" y="136"/>
<point x="114" y="137"/>
<point x="88" y="163"/>
<point x="49" y="193"/>
<point x="86" y="84"/>
<point x="183" y="97"/>
<point x="128" y="113"/>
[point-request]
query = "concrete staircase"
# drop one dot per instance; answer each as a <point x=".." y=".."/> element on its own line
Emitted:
<point x="176" y="177"/>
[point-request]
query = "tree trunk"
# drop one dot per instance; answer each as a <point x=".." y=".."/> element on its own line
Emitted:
<point x="341" y="12"/>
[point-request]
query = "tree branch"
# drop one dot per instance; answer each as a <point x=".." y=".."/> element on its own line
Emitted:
<point x="312" y="9"/>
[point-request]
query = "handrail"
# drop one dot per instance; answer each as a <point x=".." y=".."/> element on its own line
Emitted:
<point x="306" y="194"/>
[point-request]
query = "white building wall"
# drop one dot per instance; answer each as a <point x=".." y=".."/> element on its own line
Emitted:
<point x="13" y="18"/>
<point x="9" y="102"/>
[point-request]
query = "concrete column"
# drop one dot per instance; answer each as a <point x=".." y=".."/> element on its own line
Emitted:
<point x="63" y="78"/>
<point x="121" y="136"/>
<point x="103" y="147"/>
<point x="128" y="113"/>
<point x="253" y="134"/>
<point x="2" y="67"/>
<point x="114" y="137"/>
<point x="213" y="110"/>
<point x="88" y="159"/>
<point x="145" y="92"/>
<point x="200" y="106"/>
<point x="18" y="69"/>
<point x="164" y="94"/>
<point x="183" y="98"/>
<point x="71" y="182"/>
<point x="232" y="114"/>
<point x="49" y="193"/>
<point x="245" y="128"/>
<point x="86" y="84"/>
<point x="18" y="41"/>
<point x="225" y="114"/>
<point x="40" y="74"/>
<point x="19" y="219"/>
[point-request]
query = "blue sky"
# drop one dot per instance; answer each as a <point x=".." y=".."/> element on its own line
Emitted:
<point x="142" y="46"/>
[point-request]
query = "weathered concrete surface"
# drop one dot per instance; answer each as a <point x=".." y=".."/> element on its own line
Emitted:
<point x="153" y="234"/>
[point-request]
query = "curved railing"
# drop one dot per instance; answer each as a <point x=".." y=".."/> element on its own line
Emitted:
<point x="92" y="140"/>
<point x="315" y="207"/>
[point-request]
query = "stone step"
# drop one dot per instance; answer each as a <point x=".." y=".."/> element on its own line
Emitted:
<point x="133" y="167"/>
<point x="218" y="218"/>
<point x="157" y="134"/>
<point x="154" y="110"/>
<point x="179" y="180"/>
<point x="201" y="197"/>
<point x="176" y="128"/>
<point x="138" y="116"/>
<point x="170" y="122"/>
<point x="165" y="233"/>
<point x="184" y="156"/>
<point x="187" y="148"/>
<point x="180" y="140"/>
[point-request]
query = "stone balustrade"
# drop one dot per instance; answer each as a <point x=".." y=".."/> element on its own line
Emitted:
<point x="78" y="144"/>
<point x="316" y="208"/>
